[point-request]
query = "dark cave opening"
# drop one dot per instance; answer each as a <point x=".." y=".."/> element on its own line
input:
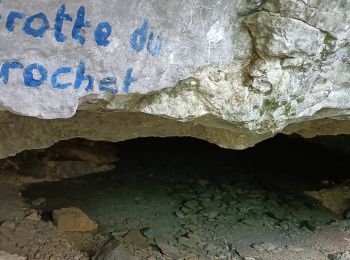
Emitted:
<point x="186" y="192"/>
<point x="308" y="161"/>
<point x="290" y="164"/>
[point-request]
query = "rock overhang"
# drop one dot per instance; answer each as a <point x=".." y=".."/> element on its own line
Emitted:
<point x="233" y="72"/>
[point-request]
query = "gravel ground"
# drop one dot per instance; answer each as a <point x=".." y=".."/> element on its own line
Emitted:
<point x="186" y="199"/>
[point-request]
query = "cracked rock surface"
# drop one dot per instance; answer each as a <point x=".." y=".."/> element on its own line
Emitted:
<point x="234" y="73"/>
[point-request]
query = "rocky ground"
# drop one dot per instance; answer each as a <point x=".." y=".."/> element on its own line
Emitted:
<point x="178" y="199"/>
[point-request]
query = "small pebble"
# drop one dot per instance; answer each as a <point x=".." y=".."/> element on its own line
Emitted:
<point x="150" y="233"/>
<point x="179" y="214"/>
<point x="195" y="237"/>
<point x="169" y="250"/>
<point x="38" y="201"/>
<point x="212" y="214"/>
<point x="295" y="248"/>
<point x="185" y="241"/>
<point x="264" y="247"/>
<point x="192" y="204"/>
<point x="35" y="216"/>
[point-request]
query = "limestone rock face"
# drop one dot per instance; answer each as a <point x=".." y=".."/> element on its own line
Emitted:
<point x="233" y="72"/>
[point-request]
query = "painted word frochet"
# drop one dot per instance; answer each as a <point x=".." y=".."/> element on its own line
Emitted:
<point x="34" y="76"/>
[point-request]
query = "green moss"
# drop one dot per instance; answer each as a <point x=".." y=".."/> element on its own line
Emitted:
<point x="329" y="39"/>
<point x="183" y="85"/>
<point x="269" y="105"/>
<point x="300" y="100"/>
<point x="288" y="109"/>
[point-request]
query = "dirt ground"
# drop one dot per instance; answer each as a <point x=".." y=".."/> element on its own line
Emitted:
<point x="187" y="199"/>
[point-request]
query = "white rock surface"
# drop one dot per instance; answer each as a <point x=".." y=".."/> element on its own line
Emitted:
<point x="193" y="35"/>
<point x="233" y="72"/>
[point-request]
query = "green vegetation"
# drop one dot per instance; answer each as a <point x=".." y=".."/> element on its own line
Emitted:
<point x="269" y="105"/>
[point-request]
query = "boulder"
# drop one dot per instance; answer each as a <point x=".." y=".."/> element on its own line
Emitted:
<point x="232" y="72"/>
<point x="73" y="220"/>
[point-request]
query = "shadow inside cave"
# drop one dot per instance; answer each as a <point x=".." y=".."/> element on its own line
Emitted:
<point x="169" y="188"/>
<point x="286" y="165"/>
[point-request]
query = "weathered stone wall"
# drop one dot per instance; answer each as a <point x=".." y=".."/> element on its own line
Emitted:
<point x="233" y="72"/>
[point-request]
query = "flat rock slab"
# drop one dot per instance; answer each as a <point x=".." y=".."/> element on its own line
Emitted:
<point x="73" y="220"/>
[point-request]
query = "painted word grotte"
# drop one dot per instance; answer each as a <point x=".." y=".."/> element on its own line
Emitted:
<point x="139" y="40"/>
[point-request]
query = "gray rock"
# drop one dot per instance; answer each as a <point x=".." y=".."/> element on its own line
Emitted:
<point x="150" y="233"/>
<point x="264" y="247"/>
<point x="112" y="251"/>
<point x="35" y="216"/>
<point x="294" y="248"/>
<point x="192" y="204"/>
<point x="340" y="256"/>
<point x="188" y="242"/>
<point x="168" y="250"/>
<point x="38" y="201"/>
<point x="232" y="72"/>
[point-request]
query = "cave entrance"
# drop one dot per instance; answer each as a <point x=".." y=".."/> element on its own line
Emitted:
<point x="182" y="198"/>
